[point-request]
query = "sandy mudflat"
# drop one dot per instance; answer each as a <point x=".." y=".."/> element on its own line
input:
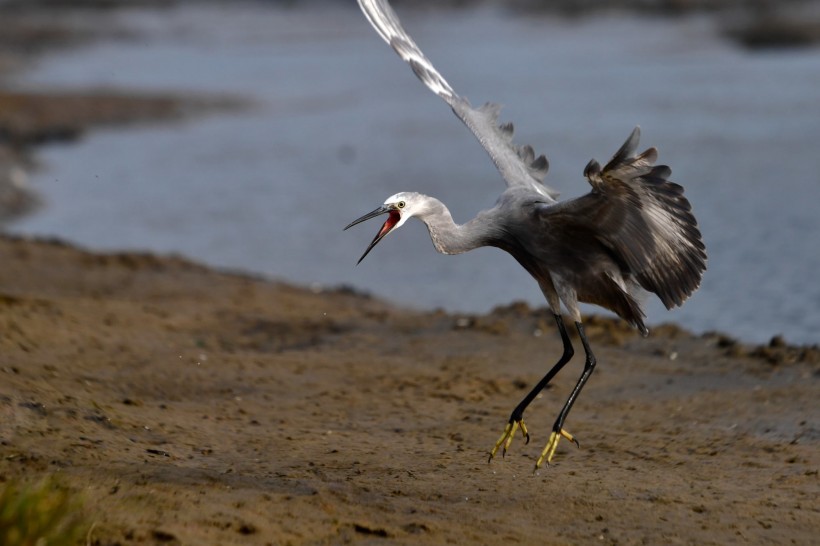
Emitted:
<point x="197" y="407"/>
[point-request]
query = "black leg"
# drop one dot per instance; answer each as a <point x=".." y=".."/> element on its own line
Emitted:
<point x="517" y="418"/>
<point x="518" y="412"/>
<point x="558" y="427"/>
<point x="589" y="366"/>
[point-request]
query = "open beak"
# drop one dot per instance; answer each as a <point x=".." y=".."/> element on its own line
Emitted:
<point x="386" y="228"/>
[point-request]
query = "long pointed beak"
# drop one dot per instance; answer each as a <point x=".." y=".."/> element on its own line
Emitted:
<point x="378" y="212"/>
<point x="388" y="225"/>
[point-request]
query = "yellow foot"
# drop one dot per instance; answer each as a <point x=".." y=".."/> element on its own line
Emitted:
<point x="507" y="437"/>
<point x="552" y="444"/>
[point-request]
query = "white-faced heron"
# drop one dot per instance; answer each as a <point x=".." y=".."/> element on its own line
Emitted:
<point x="633" y="233"/>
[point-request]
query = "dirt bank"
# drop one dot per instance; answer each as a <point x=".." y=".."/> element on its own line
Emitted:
<point x="196" y="407"/>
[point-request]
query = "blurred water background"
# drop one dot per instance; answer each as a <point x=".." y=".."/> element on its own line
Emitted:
<point x="339" y="123"/>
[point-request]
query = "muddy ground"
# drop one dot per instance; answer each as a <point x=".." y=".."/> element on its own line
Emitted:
<point x="190" y="406"/>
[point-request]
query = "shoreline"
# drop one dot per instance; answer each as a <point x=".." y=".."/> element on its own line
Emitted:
<point x="33" y="118"/>
<point x="614" y="331"/>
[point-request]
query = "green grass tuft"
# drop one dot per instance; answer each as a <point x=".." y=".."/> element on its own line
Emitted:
<point x="41" y="514"/>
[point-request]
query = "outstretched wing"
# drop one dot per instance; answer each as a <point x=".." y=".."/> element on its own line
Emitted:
<point x="648" y="222"/>
<point x="517" y="164"/>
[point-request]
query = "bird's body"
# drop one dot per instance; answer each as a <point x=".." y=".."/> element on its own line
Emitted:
<point x="633" y="234"/>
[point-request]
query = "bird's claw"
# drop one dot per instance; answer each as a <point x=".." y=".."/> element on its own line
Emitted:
<point x="507" y="437"/>
<point x="552" y="444"/>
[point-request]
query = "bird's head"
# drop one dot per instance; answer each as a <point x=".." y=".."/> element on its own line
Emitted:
<point x="399" y="208"/>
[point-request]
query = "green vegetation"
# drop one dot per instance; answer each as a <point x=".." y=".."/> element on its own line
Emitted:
<point x="41" y="514"/>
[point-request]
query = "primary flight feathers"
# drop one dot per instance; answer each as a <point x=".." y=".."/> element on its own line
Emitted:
<point x="517" y="164"/>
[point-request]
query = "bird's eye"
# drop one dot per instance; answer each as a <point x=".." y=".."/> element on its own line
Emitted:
<point x="400" y="204"/>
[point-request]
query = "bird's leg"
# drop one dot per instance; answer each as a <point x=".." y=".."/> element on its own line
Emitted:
<point x="558" y="428"/>
<point x="517" y="418"/>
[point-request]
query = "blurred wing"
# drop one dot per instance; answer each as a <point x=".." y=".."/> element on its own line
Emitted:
<point x="517" y="164"/>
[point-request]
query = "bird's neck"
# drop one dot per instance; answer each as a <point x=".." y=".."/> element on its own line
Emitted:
<point x="447" y="236"/>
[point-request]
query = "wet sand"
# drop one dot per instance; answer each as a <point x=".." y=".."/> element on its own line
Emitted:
<point x="191" y="406"/>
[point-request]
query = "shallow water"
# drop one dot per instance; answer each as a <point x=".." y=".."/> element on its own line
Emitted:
<point x="340" y="124"/>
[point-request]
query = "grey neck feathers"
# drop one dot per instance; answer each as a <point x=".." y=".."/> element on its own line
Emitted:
<point x="447" y="236"/>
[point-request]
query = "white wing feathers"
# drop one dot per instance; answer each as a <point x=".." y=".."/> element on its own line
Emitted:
<point x="517" y="164"/>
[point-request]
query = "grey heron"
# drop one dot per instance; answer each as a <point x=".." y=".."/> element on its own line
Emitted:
<point x="633" y="233"/>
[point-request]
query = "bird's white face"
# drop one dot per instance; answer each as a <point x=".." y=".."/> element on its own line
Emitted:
<point x="405" y="204"/>
<point x="399" y="208"/>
